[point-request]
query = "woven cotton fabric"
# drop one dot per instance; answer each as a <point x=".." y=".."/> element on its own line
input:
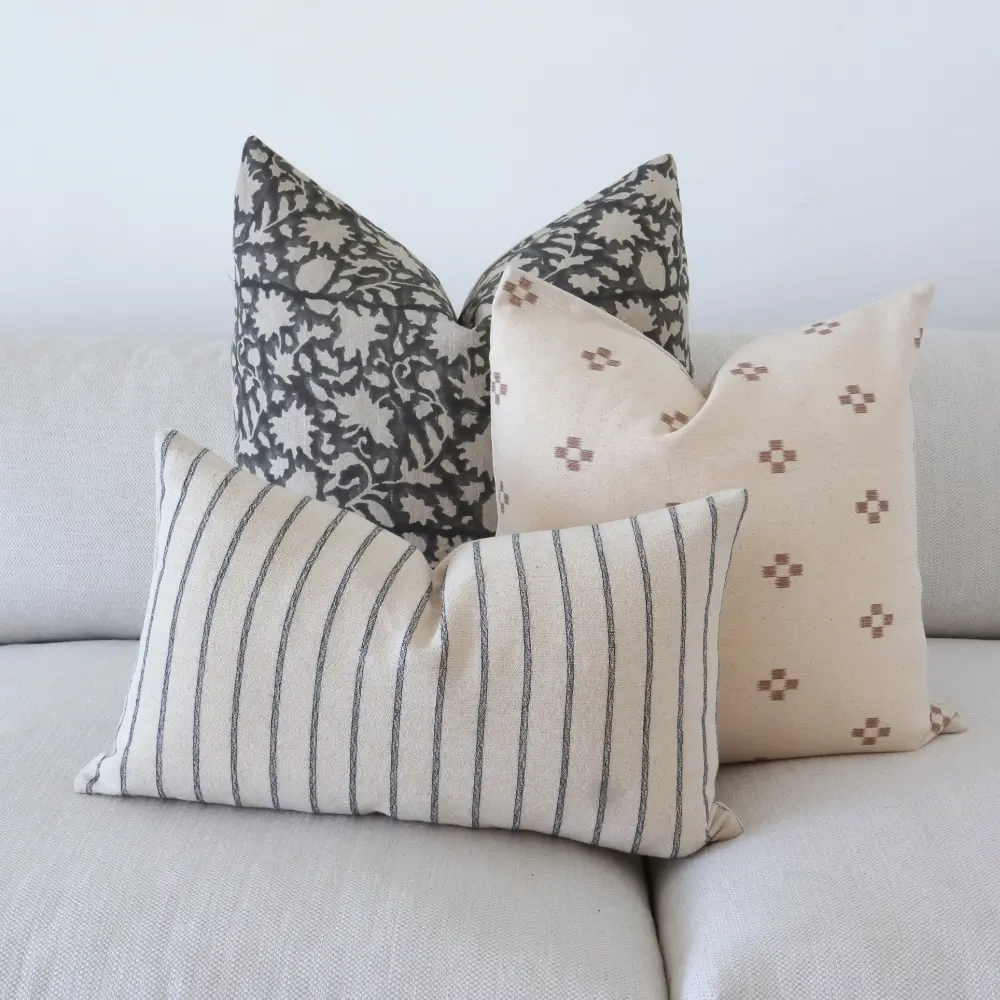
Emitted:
<point x="295" y="656"/>
<point x="822" y="643"/>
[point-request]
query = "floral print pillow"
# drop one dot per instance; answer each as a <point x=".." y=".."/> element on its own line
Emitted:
<point x="355" y="382"/>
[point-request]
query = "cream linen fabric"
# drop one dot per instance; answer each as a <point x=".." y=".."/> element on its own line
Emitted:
<point x="298" y="657"/>
<point x="865" y="876"/>
<point x="822" y="645"/>
<point x="139" y="899"/>
<point x="76" y="522"/>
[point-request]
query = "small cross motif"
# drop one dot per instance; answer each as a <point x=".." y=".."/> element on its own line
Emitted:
<point x="675" y="421"/>
<point x="573" y="454"/>
<point x="777" y="455"/>
<point x="939" y="721"/>
<point x="749" y="371"/>
<point x="871" y="732"/>
<point x="872" y="506"/>
<point x="856" y="398"/>
<point x="499" y="388"/>
<point x="822" y="328"/>
<point x="918" y="339"/>
<point x="502" y="498"/>
<point x="878" y="621"/>
<point x="778" y="684"/>
<point x="781" y="571"/>
<point x="600" y="359"/>
<point x="521" y="292"/>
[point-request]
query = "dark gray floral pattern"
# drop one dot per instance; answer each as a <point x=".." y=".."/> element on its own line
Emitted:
<point x="622" y="250"/>
<point x="355" y="382"/>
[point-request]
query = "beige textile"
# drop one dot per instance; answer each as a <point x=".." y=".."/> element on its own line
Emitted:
<point x="296" y="656"/>
<point x="822" y="645"/>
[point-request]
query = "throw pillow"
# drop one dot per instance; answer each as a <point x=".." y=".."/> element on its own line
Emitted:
<point x="822" y="644"/>
<point x="296" y="656"/>
<point x="355" y="382"/>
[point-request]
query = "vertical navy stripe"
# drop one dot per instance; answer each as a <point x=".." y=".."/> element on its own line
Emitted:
<point x="679" y="799"/>
<point x="644" y="775"/>
<point x="714" y="514"/>
<point x="321" y="662"/>
<point x="570" y="677"/>
<point x="168" y="662"/>
<point x="522" y="745"/>
<point x="484" y="676"/>
<point x="279" y="669"/>
<point x="152" y="614"/>
<point x="609" y="611"/>
<point x="439" y="707"/>
<point x="397" y="702"/>
<point x="242" y="654"/>
<point x="164" y="447"/>
<point x="205" y="634"/>
<point x="359" y="676"/>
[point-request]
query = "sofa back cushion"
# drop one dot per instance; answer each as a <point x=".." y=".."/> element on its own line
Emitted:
<point x="77" y="476"/>
<point x="957" y="437"/>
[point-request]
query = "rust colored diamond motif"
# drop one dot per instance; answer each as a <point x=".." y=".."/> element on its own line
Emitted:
<point x="499" y="388"/>
<point x="872" y="506"/>
<point x="939" y="721"/>
<point x="822" y="328"/>
<point x="781" y="571"/>
<point x="878" y="621"/>
<point x="573" y="454"/>
<point x="675" y="421"/>
<point x="520" y="292"/>
<point x="749" y="371"/>
<point x="777" y="455"/>
<point x="871" y="732"/>
<point x="856" y="398"/>
<point x="599" y="359"/>
<point x="502" y="498"/>
<point x="918" y="339"/>
<point x="778" y="684"/>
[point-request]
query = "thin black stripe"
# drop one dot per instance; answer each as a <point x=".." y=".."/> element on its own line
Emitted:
<point x="321" y="662"/>
<point x="522" y="746"/>
<point x="164" y="447"/>
<point x="484" y="677"/>
<point x="206" y="632"/>
<point x="570" y="678"/>
<point x="359" y="676"/>
<point x="729" y="563"/>
<point x="286" y="628"/>
<point x="644" y="778"/>
<point x="242" y="654"/>
<point x="704" y="657"/>
<point x="679" y="800"/>
<point x="152" y="613"/>
<point x="397" y="704"/>
<point x="609" y="611"/>
<point x="168" y="662"/>
<point x="439" y="707"/>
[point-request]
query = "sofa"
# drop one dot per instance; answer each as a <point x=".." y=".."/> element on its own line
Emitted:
<point x="873" y="875"/>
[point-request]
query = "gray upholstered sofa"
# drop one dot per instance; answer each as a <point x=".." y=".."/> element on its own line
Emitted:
<point x="867" y="876"/>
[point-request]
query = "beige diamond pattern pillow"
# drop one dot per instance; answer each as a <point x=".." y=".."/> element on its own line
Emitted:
<point x="822" y="648"/>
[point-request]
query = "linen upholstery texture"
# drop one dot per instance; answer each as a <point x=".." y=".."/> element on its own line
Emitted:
<point x="957" y="427"/>
<point x="106" y="899"/>
<point x="857" y="876"/>
<point x="296" y="656"/>
<point x="354" y="380"/>
<point x="822" y="645"/>
<point x="77" y="474"/>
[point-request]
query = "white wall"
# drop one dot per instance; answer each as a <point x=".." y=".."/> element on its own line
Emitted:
<point x="829" y="153"/>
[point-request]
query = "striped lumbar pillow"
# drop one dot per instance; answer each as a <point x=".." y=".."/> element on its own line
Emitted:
<point x="295" y="656"/>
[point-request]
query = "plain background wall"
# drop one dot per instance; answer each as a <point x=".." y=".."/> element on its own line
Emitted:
<point x="829" y="153"/>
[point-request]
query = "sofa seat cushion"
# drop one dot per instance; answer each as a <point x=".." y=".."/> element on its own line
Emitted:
<point x="110" y="898"/>
<point x="860" y="876"/>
